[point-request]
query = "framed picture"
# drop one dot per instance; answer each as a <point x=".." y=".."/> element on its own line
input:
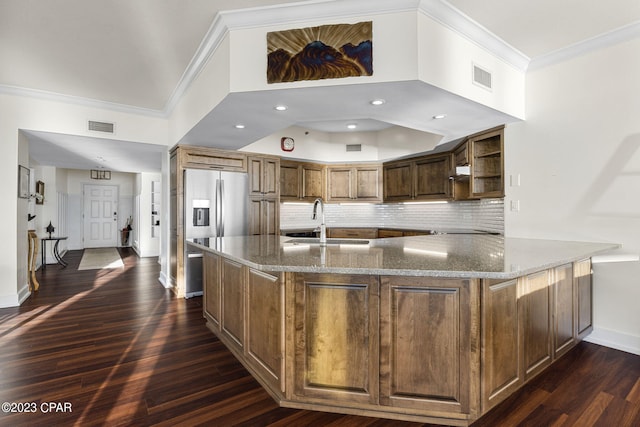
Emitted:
<point x="39" y="192"/>
<point x="23" y="182"/>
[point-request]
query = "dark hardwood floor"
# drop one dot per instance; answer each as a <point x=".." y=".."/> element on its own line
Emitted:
<point x="113" y="347"/>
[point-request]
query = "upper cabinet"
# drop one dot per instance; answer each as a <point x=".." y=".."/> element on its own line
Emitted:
<point x="264" y="174"/>
<point x="300" y="181"/>
<point x="354" y="183"/>
<point x="421" y="178"/>
<point x="435" y="176"/>
<point x="264" y="183"/>
<point x="486" y="163"/>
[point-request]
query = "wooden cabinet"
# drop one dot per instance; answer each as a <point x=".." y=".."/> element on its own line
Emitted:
<point x="362" y="183"/>
<point x="212" y="289"/>
<point x="432" y="177"/>
<point x="264" y="216"/>
<point x="264" y="176"/>
<point x="232" y="304"/>
<point x="336" y="338"/>
<point x="422" y="178"/>
<point x="245" y="308"/>
<point x="529" y="322"/>
<point x="398" y="181"/>
<point x="264" y="184"/>
<point x="535" y="309"/>
<point x="301" y="181"/>
<point x="208" y="158"/>
<point x="428" y="345"/>
<point x="500" y="359"/>
<point x="352" y="233"/>
<point x="487" y="164"/>
<point x="564" y="331"/>
<point x="264" y="329"/>
<point x="583" y="298"/>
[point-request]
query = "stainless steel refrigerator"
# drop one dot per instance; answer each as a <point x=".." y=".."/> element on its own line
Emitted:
<point x="215" y="205"/>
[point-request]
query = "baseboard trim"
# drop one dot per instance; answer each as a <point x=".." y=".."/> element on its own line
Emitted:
<point x="614" y="339"/>
<point x="163" y="279"/>
<point x="14" y="300"/>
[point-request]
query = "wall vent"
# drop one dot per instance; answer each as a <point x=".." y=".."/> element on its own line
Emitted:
<point x="482" y="77"/>
<point x="354" y="147"/>
<point x="101" y="126"/>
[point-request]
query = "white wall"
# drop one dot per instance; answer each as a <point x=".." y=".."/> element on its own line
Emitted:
<point x="578" y="157"/>
<point x="319" y="146"/>
<point x="19" y="112"/>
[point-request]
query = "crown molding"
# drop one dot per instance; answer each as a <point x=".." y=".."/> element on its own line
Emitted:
<point x="77" y="100"/>
<point x="602" y="41"/>
<point x="452" y="18"/>
<point x="209" y="44"/>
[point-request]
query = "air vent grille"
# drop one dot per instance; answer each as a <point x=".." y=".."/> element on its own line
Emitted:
<point x="482" y="77"/>
<point x="101" y="126"/>
<point x="354" y="147"/>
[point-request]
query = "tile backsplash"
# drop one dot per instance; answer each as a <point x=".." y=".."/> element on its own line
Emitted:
<point x="485" y="215"/>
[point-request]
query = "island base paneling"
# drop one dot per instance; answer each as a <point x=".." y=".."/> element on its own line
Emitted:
<point x="424" y="349"/>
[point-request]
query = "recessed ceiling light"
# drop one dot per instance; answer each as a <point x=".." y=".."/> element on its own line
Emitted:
<point x="281" y="107"/>
<point x="239" y="126"/>
<point x="439" y="116"/>
<point x="378" y="102"/>
<point x="352" y="126"/>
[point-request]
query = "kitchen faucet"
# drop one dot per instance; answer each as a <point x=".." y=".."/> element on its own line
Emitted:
<point x="323" y="227"/>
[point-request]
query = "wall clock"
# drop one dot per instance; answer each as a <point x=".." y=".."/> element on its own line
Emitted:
<point x="287" y="143"/>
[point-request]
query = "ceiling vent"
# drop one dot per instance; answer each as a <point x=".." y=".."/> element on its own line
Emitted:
<point x="101" y="126"/>
<point x="482" y="77"/>
<point x="354" y="147"/>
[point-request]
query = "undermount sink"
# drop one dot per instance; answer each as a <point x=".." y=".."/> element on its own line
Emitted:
<point x="316" y="241"/>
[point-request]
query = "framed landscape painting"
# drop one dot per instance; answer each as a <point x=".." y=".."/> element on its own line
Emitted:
<point x="324" y="52"/>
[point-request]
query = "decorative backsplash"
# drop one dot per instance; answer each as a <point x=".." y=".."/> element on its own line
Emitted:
<point x="485" y="215"/>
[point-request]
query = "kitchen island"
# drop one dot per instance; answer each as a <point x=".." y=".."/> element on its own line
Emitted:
<point x="428" y="328"/>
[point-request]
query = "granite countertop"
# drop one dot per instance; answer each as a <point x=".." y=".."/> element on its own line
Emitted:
<point x="445" y="255"/>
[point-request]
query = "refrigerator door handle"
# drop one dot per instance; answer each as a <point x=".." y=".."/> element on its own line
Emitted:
<point x="222" y="208"/>
<point x="218" y="208"/>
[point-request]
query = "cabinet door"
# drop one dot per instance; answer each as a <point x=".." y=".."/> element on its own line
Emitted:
<point x="265" y="323"/>
<point x="535" y="310"/>
<point x="270" y="217"/>
<point x="432" y="178"/>
<point x="339" y="184"/>
<point x="264" y="216"/>
<point x="336" y="342"/>
<point x="232" y="303"/>
<point x="212" y="289"/>
<point x="289" y="181"/>
<point x="584" y="311"/>
<point x="564" y="331"/>
<point x="501" y="374"/>
<point x="368" y="184"/>
<point x="426" y="349"/>
<point x="398" y="181"/>
<point x="264" y="176"/>
<point x="313" y="181"/>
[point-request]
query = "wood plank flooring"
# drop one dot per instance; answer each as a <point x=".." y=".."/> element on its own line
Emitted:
<point x="117" y="348"/>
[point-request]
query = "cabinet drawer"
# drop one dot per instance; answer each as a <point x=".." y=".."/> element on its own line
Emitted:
<point x="353" y="233"/>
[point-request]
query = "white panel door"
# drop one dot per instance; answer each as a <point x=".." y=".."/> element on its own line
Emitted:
<point x="100" y="216"/>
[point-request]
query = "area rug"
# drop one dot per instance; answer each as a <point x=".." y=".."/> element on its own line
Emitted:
<point x="99" y="258"/>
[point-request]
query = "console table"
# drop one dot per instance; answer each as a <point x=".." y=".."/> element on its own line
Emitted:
<point x="56" y="254"/>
